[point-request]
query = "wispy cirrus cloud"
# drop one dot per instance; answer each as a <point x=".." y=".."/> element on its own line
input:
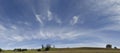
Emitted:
<point x="16" y="34"/>
<point x="14" y="27"/>
<point x="58" y="20"/>
<point x="105" y="7"/>
<point x="80" y="44"/>
<point x="2" y="28"/>
<point x="50" y="16"/>
<point x="57" y="34"/>
<point x="108" y="8"/>
<point x="11" y="34"/>
<point x="74" y="20"/>
<point x="39" y="18"/>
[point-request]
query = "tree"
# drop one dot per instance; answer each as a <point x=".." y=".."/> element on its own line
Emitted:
<point x="48" y="46"/>
<point x="42" y="46"/>
<point x="0" y="50"/>
<point x="115" y="47"/>
<point x="109" y="46"/>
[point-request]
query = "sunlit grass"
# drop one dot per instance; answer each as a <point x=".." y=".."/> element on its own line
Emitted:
<point x="69" y="51"/>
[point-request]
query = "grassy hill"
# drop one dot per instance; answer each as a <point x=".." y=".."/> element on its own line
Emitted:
<point x="71" y="50"/>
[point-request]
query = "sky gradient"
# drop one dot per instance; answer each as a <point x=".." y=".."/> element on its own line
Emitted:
<point x="64" y="23"/>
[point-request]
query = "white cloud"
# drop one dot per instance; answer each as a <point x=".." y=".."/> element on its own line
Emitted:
<point x="53" y="17"/>
<point x="74" y="20"/>
<point x="109" y="8"/>
<point x="106" y="7"/>
<point x="58" y="20"/>
<point x="59" y="33"/>
<point x="112" y="27"/>
<point x="2" y="28"/>
<point x="13" y="27"/>
<point x="50" y="17"/>
<point x="17" y="38"/>
<point x="72" y="34"/>
<point x="27" y="23"/>
<point x="72" y="45"/>
<point x="113" y="10"/>
<point x="63" y="34"/>
<point x="11" y="34"/>
<point x="101" y="4"/>
<point x="115" y="20"/>
<point x="38" y="17"/>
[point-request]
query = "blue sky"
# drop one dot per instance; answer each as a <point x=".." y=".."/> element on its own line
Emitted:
<point x="64" y="23"/>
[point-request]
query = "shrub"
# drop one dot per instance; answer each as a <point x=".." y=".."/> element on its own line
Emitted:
<point x="23" y="49"/>
<point x="38" y="49"/>
<point x="18" y="50"/>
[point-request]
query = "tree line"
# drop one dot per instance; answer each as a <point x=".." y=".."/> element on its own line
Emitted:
<point x="44" y="48"/>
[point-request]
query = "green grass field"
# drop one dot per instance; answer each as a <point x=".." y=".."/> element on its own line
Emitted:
<point x="71" y="50"/>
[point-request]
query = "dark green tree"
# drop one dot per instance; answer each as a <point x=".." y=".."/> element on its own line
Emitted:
<point x="42" y="46"/>
<point x="48" y="47"/>
<point x="0" y="50"/>
<point x="115" y="47"/>
<point x="109" y="46"/>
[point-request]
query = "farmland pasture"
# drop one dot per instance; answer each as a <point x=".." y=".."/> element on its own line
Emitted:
<point x="71" y="50"/>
